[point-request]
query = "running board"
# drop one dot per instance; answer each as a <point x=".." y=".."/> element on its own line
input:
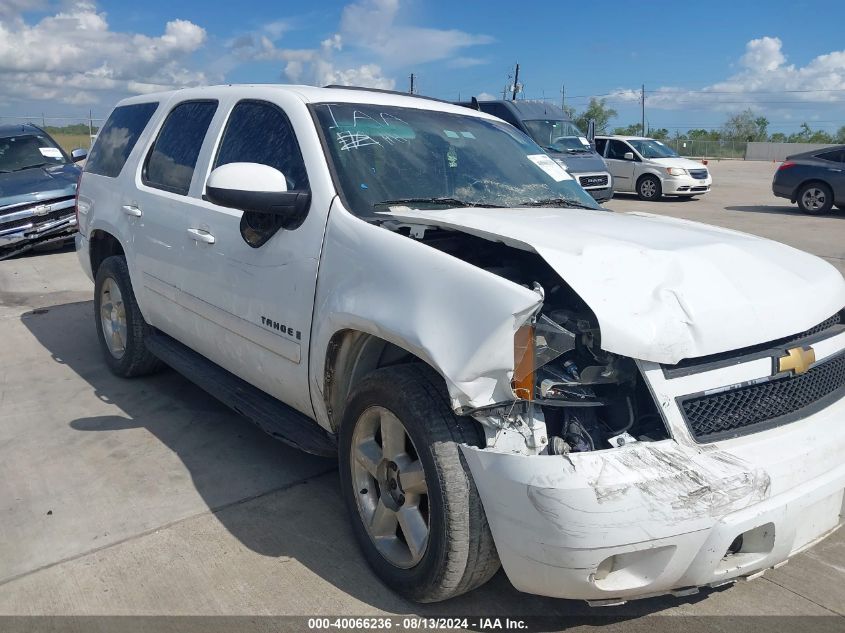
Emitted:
<point x="269" y="414"/>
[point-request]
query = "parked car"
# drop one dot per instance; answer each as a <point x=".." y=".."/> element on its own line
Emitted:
<point x="37" y="189"/>
<point x="814" y="179"/>
<point x="505" y="370"/>
<point x="552" y="129"/>
<point x="651" y="169"/>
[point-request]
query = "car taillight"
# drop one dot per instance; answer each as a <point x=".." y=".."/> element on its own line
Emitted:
<point x="786" y="165"/>
<point x="76" y="200"/>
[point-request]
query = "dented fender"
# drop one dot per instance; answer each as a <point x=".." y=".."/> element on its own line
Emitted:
<point x="458" y="318"/>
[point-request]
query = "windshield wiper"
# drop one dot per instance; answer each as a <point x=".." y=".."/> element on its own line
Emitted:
<point x="29" y="166"/>
<point x="455" y="202"/>
<point x="558" y="202"/>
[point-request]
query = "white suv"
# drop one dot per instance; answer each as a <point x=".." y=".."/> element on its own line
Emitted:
<point x="651" y="169"/>
<point x="612" y="405"/>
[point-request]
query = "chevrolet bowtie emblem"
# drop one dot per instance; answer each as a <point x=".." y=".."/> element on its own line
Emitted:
<point x="797" y="360"/>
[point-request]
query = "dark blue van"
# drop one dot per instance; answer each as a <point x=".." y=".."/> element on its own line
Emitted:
<point x="555" y="132"/>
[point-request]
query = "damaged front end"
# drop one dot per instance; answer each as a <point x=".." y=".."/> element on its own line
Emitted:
<point x="25" y="225"/>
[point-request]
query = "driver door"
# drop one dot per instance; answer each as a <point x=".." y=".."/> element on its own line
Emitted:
<point x="253" y="282"/>
<point x="621" y="169"/>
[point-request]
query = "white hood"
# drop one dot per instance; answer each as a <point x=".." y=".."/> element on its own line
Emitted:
<point x="677" y="161"/>
<point x="664" y="289"/>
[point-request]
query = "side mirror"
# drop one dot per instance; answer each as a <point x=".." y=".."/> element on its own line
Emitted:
<point x="628" y="155"/>
<point x="257" y="188"/>
<point x="591" y="131"/>
<point x="78" y="154"/>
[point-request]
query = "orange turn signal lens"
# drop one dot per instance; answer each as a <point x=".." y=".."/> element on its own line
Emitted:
<point x="523" y="363"/>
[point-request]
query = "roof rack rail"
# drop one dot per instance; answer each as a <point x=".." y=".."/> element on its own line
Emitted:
<point x="387" y="92"/>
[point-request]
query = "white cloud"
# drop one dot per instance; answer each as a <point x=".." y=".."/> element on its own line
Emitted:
<point x="73" y="56"/>
<point x="765" y="80"/>
<point x="370" y="41"/>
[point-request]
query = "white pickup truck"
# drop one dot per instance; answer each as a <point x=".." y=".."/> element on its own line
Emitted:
<point x="613" y="405"/>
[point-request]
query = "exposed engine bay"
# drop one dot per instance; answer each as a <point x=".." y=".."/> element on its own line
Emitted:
<point x="588" y="399"/>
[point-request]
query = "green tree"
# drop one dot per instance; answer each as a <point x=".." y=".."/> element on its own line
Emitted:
<point x="660" y="134"/>
<point x="742" y="126"/>
<point x="840" y="135"/>
<point x="635" y="129"/>
<point x="762" y="124"/>
<point x="820" y="136"/>
<point x="598" y="110"/>
<point x="778" y="137"/>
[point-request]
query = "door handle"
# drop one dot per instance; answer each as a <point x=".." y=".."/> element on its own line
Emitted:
<point x="198" y="235"/>
<point x="132" y="210"/>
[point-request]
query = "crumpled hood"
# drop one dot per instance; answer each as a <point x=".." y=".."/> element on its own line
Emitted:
<point x="684" y="163"/>
<point x="664" y="289"/>
<point x="38" y="183"/>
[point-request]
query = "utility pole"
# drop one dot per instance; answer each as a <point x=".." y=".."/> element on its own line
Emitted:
<point x="413" y="77"/>
<point x="642" y="98"/>
<point x="563" y="97"/>
<point x="90" y="126"/>
<point x="515" y="82"/>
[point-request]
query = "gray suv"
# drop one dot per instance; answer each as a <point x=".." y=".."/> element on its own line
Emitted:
<point x="550" y="127"/>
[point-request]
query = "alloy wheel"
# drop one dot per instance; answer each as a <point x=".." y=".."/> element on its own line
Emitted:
<point x="392" y="494"/>
<point x="113" y="318"/>
<point x="813" y="199"/>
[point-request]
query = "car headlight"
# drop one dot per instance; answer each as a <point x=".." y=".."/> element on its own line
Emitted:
<point x="676" y="171"/>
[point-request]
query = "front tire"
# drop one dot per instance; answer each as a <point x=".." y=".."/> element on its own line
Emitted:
<point x="414" y="507"/>
<point x="121" y="328"/>
<point x="649" y="188"/>
<point x="815" y="198"/>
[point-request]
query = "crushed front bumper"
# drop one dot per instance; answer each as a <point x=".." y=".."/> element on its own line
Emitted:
<point x="661" y="517"/>
<point x="36" y="224"/>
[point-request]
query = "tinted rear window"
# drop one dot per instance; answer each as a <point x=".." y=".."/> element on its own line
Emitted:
<point x="836" y="156"/>
<point x="171" y="161"/>
<point x="117" y="138"/>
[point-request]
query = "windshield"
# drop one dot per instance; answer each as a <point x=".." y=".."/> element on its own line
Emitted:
<point x="28" y="151"/>
<point x="558" y="135"/>
<point x="385" y="154"/>
<point x="653" y="149"/>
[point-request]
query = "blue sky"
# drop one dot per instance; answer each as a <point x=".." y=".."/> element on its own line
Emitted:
<point x="698" y="61"/>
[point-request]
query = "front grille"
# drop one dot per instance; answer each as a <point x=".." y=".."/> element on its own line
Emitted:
<point x="35" y="220"/>
<point x="698" y="174"/>
<point x="765" y="405"/>
<point x="593" y="181"/>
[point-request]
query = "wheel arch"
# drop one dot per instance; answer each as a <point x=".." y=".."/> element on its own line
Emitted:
<point x="810" y="181"/>
<point x="351" y="355"/>
<point x="103" y="244"/>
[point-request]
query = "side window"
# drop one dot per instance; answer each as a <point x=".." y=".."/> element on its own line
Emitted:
<point x="117" y="138"/>
<point x="617" y="149"/>
<point x="172" y="158"/>
<point x="259" y="132"/>
<point x="600" y="145"/>
<point x="836" y="156"/>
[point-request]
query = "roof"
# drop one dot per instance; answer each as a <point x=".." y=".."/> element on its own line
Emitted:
<point x="9" y="129"/>
<point x="311" y="94"/>
<point x="623" y="137"/>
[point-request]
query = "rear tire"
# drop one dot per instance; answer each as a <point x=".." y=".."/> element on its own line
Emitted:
<point x="426" y="477"/>
<point x="649" y="188"/>
<point x="815" y="198"/>
<point x="121" y="328"/>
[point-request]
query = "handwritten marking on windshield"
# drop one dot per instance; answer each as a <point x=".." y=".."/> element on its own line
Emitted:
<point x="353" y="140"/>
